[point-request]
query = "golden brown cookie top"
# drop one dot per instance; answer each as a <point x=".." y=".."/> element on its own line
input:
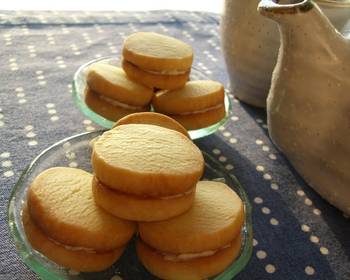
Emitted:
<point x="145" y="159"/>
<point x="194" y="96"/>
<point x="214" y="220"/>
<point x="153" y="51"/>
<point x="152" y="118"/>
<point x="112" y="82"/>
<point x="61" y="204"/>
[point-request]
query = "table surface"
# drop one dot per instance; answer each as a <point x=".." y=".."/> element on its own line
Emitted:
<point x="297" y="235"/>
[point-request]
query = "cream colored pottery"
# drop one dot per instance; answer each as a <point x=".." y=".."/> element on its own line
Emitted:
<point x="308" y="106"/>
<point x="250" y="45"/>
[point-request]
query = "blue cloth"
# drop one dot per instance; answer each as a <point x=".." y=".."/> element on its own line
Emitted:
<point x="297" y="234"/>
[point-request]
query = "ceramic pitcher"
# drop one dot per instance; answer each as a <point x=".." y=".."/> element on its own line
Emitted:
<point x="250" y="45"/>
<point x="308" y="106"/>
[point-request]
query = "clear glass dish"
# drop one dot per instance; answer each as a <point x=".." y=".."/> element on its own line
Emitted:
<point x="79" y="84"/>
<point x="77" y="149"/>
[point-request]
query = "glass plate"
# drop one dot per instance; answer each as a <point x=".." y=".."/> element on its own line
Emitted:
<point x="77" y="149"/>
<point x="79" y="84"/>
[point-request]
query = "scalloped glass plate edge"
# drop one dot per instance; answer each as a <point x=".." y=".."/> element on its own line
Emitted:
<point x="45" y="271"/>
<point x="98" y="119"/>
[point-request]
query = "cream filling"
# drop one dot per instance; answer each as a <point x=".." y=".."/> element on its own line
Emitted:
<point x="166" y="72"/>
<point x="201" y="111"/>
<point x="191" y="256"/>
<point x="120" y="104"/>
<point x="177" y="195"/>
<point x="73" y="248"/>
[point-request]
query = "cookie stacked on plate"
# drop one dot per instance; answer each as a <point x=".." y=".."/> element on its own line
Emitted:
<point x="155" y="70"/>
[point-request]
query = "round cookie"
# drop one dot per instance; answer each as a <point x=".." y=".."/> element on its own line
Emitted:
<point x="153" y="118"/>
<point x="112" y="82"/>
<point x="157" y="52"/>
<point x="194" y="269"/>
<point x="164" y="160"/>
<point x="141" y="208"/>
<point x="198" y="104"/>
<point x="60" y="202"/>
<point x="79" y="260"/>
<point x="106" y="108"/>
<point x="151" y="79"/>
<point x="214" y="220"/>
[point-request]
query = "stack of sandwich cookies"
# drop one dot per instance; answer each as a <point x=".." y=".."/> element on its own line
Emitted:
<point x="112" y="94"/>
<point x="63" y="222"/>
<point x="198" y="104"/>
<point x="145" y="172"/>
<point x="198" y="244"/>
<point x="157" y="61"/>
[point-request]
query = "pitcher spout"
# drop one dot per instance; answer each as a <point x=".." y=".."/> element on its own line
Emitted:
<point x="277" y="8"/>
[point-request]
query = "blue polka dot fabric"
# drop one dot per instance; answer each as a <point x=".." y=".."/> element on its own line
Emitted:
<point x="297" y="234"/>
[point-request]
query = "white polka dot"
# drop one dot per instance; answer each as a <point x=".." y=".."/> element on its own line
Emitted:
<point x="314" y="239"/>
<point x="1" y="123"/>
<point x="324" y="251"/>
<point x="317" y="211"/>
<point x="261" y="254"/>
<point x="51" y="111"/>
<point x="227" y="134"/>
<point x="22" y="101"/>
<point x="305" y="228"/>
<point x="308" y="202"/>
<point x="272" y="156"/>
<point x="259" y="142"/>
<point x="300" y="193"/>
<point x="270" y="268"/>
<point x="6" y="163"/>
<point x="265" y="210"/>
<point x="222" y="158"/>
<point x="32" y="143"/>
<point x="70" y="155"/>
<point x="20" y="94"/>
<point x="309" y="270"/>
<point x="216" y="152"/>
<point x="274" y="222"/>
<point x="265" y="148"/>
<point x="116" y="277"/>
<point x="8" y="173"/>
<point x="229" y="166"/>
<point x="259" y="120"/>
<point x="39" y="72"/>
<point x="42" y="83"/>
<point x="267" y="176"/>
<point x="54" y="118"/>
<point x="28" y="127"/>
<point x="19" y="89"/>
<point x="62" y="66"/>
<point x="234" y="118"/>
<point x="233" y="140"/>
<point x="90" y="128"/>
<point x="50" y="105"/>
<point x="5" y="155"/>
<point x="255" y="242"/>
<point x="73" y="272"/>
<point x="264" y="126"/>
<point x="274" y="186"/>
<point x="73" y="164"/>
<point x="258" y="200"/>
<point x="221" y="128"/>
<point x="40" y="77"/>
<point x="30" y="134"/>
<point x="260" y="168"/>
<point x="86" y="122"/>
<point x="1" y="116"/>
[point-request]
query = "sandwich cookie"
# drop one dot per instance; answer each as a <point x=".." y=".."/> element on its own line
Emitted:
<point x="111" y="85"/>
<point x="198" y="244"/>
<point x="157" y="61"/>
<point x="153" y="118"/>
<point x="64" y="223"/>
<point x="198" y="104"/>
<point x="145" y="172"/>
